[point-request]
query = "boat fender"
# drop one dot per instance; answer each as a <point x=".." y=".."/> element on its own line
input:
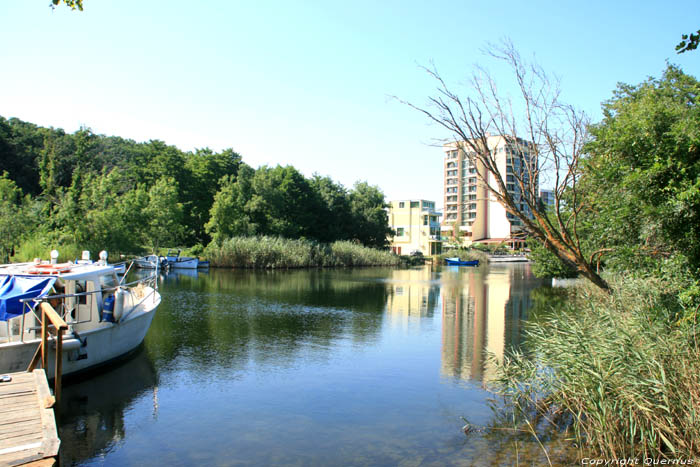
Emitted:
<point x="71" y="344"/>
<point x="119" y="299"/>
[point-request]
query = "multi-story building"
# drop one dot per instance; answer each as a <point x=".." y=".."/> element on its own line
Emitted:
<point x="547" y="197"/>
<point x="471" y="211"/>
<point x="417" y="227"/>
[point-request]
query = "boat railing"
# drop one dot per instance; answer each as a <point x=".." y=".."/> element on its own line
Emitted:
<point x="71" y="313"/>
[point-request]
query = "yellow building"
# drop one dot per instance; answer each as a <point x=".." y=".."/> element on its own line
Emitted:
<point x="417" y="227"/>
<point x="471" y="211"/>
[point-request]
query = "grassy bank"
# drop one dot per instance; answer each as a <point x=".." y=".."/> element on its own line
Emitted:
<point x="617" y="372"/>
<point x="276" y="252"/>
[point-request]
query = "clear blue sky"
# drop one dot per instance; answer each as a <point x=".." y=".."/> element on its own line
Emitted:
<point x="306" y="83"/>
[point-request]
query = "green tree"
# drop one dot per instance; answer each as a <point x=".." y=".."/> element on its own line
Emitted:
<point x="333" y="218"/>
<point x="229" y="216"/>
<point x="206" y="168"/>
<point x="642" y="176"/>
<point x="14" y="219"/>
<point x="163" y="215"/>
<point x="369" y="216"/>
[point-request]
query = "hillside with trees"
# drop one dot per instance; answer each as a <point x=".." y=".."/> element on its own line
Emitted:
<point x="88" y="191"/>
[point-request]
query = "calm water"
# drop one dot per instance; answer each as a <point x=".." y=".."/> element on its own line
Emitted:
<point x="333" y="367"/>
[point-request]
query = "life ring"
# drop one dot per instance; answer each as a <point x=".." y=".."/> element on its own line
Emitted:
<point x="50" y="268"/>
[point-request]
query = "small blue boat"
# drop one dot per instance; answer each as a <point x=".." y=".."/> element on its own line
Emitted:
<point x="459" y="262"/>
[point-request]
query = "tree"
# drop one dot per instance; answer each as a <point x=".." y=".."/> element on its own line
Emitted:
<point x="73" y="4"/>
<point x="229" y="216"/>
<point x="369" y="216"/>
<point x="547" y="136"/>
<point x="688" y="42"/>
<point x="163" y="215"/>
<point x="14" y="221"/>
<point x="642" y="176"/>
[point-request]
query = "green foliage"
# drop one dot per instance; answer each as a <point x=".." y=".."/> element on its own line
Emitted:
<point x="14" y="216"/>
<point x="688" y="42"/>
<point x="546" y="264"/>
<point x="72" y="4"/>
<point x="163" y="215"/>
<point x="642" y="177"/>
<point x="109" y="192"/>
<point x="277" y="252"/>
<point x="368" y="210"/>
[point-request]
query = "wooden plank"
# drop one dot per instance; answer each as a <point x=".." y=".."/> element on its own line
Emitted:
<point x="24" y="440"/>
<point x="27" y="424"/>
<point x="19" y="430"/>
<point x="51" y="462"/>
<point x="51" y="442"/>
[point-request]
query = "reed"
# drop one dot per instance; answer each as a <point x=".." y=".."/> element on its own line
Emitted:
<point x="277" y="252"/>
<point x="618" y="372"/>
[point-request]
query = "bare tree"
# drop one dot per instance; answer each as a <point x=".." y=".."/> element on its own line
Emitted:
<point x="544" y="135"/>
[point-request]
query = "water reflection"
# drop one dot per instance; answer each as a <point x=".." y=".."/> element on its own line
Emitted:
<point x="483" y="311"/>
<point x="319" y="367"/>
<point x="92" y="412"/>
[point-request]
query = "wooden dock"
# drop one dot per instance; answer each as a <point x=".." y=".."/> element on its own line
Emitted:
<point x="27" y="425"/>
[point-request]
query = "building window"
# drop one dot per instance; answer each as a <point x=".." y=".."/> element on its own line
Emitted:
<point x="425" y="220"/>
<point x="401" y="205"/>
<point x="399" y="232"/>
<point x="472" y="197"/>
<point x="472" y="215"/>
<point x="414" y="204"/>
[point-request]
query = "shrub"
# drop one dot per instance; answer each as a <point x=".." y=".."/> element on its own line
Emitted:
<point x="278" y="252"/>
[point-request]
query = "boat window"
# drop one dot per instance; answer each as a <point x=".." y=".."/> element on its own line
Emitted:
<point x="80" y="287"/>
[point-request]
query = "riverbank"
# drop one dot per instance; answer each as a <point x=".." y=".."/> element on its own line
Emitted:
<point x="283" y="253"/>
<point x="616" y="372"/>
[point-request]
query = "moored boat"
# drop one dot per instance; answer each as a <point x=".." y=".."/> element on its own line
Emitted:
<point x="106" y="318"/>
<point x="151" y="262"/>
<point x="459" y="262"/>
<point x="181" y="262"/>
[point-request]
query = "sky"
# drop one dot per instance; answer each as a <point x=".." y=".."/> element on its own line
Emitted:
<point x="311" y="83"/>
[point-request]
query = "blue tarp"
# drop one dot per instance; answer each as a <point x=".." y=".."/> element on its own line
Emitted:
<point x="15" y="288"/>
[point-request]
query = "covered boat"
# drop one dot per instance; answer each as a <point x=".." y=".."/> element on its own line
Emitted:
<point x="106" y="318"/>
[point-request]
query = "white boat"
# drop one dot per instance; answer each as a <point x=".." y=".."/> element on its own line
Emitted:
<point x="180" y="262"/>
<point x="106" y="319"/>
<point x="150" y="262"/>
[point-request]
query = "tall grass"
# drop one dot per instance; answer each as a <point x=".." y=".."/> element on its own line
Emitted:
<point x="277" y="252"/>
<point x="619" y="372"/>
<point x="39" y="247"/>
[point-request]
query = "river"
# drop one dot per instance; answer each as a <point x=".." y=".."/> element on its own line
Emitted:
<point x="307" y="367"/>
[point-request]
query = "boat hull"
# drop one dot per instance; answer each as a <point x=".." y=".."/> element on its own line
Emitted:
<point x="184" y="263"/>
<point x="451" y="262"/>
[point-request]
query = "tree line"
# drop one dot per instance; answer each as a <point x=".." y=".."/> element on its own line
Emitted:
<point x="98" y="192"/>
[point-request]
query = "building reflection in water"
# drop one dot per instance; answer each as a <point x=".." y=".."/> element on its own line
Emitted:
<point x="412" y="293"/>
<point x="482" y="311"/>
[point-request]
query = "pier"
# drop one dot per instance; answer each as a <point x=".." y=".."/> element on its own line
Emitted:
<point x="28" y="432"/>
